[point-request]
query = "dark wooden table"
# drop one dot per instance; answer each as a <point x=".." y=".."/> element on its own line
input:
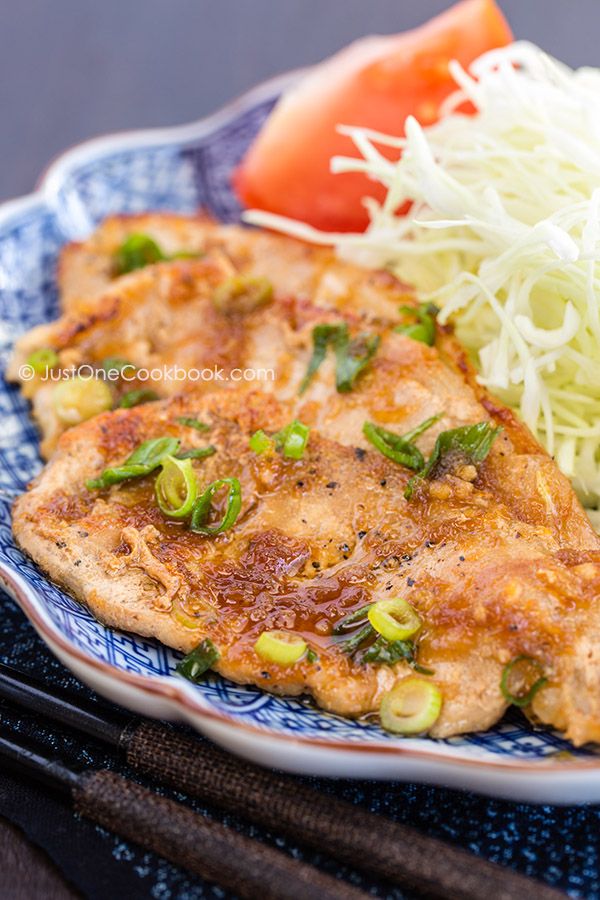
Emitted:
<point x="72" y="69"/>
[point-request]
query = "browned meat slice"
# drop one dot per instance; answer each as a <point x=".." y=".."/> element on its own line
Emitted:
<point x="498" y="562"/>
<point x="183" y="316"/>
<point x="296" y="269"/>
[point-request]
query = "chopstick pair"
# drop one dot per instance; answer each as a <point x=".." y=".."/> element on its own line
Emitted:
<point x="375" y="845"/>
<point x="175" y="832"/>
<point x="204" y="847"/>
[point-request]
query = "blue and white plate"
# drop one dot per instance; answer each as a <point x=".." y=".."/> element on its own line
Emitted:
<point x="182" y="169"/>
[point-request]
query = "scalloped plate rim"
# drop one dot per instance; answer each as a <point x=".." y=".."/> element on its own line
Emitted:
<point x="540" y="780"/>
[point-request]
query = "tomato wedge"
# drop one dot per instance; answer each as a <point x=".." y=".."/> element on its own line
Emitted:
<point x="375" y="82"/>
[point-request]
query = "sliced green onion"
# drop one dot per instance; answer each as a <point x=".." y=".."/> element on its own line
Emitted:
<point x="151" y="453"/>
<point x="411" y="707"/>
<point x="423" y="329"/>
<point x="136" y="398"/>
<point x="387" y="653"/>
<point x="176" y="487"/>
<point x="260" y="442"/>
<point x="311" y="656"/>
<point x="522" y="669"/>
<point x="43" y="359"/>
<point x="196" y="663"/>
<point x="192" y="423"/>
<point x="471" y="442"/>
<point x="399" y="447"/>
<point x="381" y="651"/>
<point x="281" y="647"/>
<point x="180" y="614"/>
<point x="144" y="459"/>
<point x="354" y="641"/>
<point x="354" y="618"/>
<point x="322" y="335"/>
<point x="394" y="619"/>
<point x="352" y="355"/>
<point x="242" y="293"/>
<point x="140" y="250"/>
<point x="197" y="452"/>
<point x="117" y="364"/>
<point x="293" y="439"/>
<point x="420" y="429"/>
<point x="394" y="446"/>
<point x="79" y="399"/>
<point x="137" y="251"/>
<point x="203" y="504"/>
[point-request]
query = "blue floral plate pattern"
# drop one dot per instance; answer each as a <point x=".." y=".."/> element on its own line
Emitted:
<point x="183" y="169"/>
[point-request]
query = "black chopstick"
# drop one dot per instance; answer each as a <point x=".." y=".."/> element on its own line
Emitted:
<point x="371" y="843"/>
<point x="203" y="847"/>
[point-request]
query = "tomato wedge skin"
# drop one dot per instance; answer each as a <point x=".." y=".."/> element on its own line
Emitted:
<point x="375" y="82"/>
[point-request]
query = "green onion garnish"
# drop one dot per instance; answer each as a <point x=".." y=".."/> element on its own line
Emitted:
<point x="423" y="329"/>
<point x="140" y="250"/>
<point x="411" y="707"/>
<point x="80" y="398"/>
<point x="472" y="442"/>
<point x="242" y="293"/>
<point x="394" y="619"/>
<point x="260" y="442"/>
<point x="196" y="663"/>
<point x="322" y="335"/>
<point x="176" y="487"/>
<point x="351" y="355"/>
<point x="388" y="653"/>
<point x="136" y="398"/>
<point x="137" y="251"/>
<point x="117" y="364"/>
<point x="197" y="452"/>
<point x="351" y="644"/>
<point x="192" y="423"/>
<point x="522" y="668"/>
<point x="381" y="651"/>
<point x="144" y="459"/>
<point x="353" y="618"/>
<point x="43" y="359"/>
<point x="291" y="440"/>
<point x="203" y="504"/>
<point x="284" y="648"/>
<point x="399" y="447"/>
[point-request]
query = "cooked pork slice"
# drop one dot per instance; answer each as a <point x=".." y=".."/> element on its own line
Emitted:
<point x="187" y="315"/>
<point x="490" y="572"/>
<point x="295" y="268"/>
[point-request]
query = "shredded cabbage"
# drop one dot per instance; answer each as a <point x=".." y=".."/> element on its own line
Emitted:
<point x="504" y="235"/>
